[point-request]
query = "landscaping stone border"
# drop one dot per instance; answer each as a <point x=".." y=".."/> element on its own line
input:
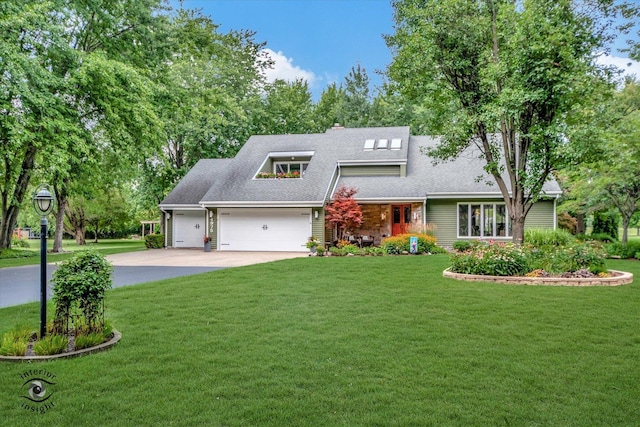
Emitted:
<point x="101" y="347"/>
<point x="618" y="278"/>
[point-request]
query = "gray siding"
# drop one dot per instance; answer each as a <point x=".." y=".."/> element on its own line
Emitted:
<point x="541" y="215"/>
<point x="377" y="170"/>
<point x="317" y="225"/>
<point x="213" y="226"/>
<point x="443" y="213"/>
<point x="169" y="232"/>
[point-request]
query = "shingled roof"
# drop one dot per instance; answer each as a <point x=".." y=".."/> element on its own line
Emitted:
<point x="232" y="182"/>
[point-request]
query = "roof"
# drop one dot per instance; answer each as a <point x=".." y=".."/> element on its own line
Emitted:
<point x="232" y="182"/>
<point x="196" y="183"/>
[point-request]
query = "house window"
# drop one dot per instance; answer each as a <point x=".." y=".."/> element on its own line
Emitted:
<point x="290" y="167"/>
<point x="483" y="220"/>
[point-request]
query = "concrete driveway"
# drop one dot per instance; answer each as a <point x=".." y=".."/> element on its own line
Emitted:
<point x="19" y="285"/>
<point x="197" y="258"/>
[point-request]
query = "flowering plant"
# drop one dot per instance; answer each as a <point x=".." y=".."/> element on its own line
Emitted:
<point x="265" y="175"/>
<point x="206" y="239"/>
<point x="312" y="242"/>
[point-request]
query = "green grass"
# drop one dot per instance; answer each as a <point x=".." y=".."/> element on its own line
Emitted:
<point x="349" y="341"/>
<point x="18" y="257"/>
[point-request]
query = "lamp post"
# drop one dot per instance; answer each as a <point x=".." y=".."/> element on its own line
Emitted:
<point x="43" y="202"/>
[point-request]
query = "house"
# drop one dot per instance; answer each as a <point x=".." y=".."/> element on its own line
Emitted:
<point x="243" y="206"/>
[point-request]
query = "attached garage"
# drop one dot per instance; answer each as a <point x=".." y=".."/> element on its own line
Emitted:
<point x="267" y="229"/>
<point x="188" y="228"/>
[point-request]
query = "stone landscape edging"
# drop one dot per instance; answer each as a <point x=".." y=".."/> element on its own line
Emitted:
<point x="101" y="347"/>
<point x="619" y="278"/>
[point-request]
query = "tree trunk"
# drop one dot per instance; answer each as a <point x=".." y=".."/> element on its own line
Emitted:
<point x="625" y="228"/>
<point x="581" y="227"/>
<point x="61" y="200"/>
<point x="517" y="229"/>
<point x="77" y="223"/>
<point x="11" y="202"/>
<point x="80" y="236"/>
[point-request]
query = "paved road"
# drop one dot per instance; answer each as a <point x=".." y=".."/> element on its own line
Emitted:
<point x="19" y="285"/>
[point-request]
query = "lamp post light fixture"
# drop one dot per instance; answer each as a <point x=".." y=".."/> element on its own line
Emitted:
<point x="43" y="202"/>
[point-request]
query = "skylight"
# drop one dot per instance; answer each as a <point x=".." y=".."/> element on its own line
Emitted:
<point x="382" y="144"/>
<point x="368" y="144"/>
<point x="396" y="143"/>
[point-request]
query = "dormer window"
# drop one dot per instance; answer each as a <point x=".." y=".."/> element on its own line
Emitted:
<point x="291" y="167"/>
<point x="285" y="165"/>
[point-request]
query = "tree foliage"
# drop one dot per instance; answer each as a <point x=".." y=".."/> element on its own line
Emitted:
<point x="610" y="176"/>
<point x="343" y="212"/>
<point x="501" y="76"/>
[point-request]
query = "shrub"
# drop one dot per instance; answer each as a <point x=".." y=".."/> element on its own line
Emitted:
<point x="79" y="284"/>
<point x="336" y="251"/>
<point x="400" y="243"/>
<point x="154" y="241"/>
<point x="462" y="245"/>
<point x="606" y="223"/>
<point x="602" y="237"/>
<point x="373" y="250"/>
<point x="19" y="243"/>
<point x="569" y="258"/>
<point x="492" y="259"/>
<point x="540" y="237"/>
<point x="351" y="249"/>
<point x="51" y="344"/>
<point x="567" y="222"/>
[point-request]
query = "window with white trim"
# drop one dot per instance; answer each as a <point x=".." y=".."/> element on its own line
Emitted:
<point x="290" y="167"/>
<point x="483" y="220"/>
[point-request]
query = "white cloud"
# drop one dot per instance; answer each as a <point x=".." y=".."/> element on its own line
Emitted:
<point x="284" y="69"/>
<point x="629" y="66"/>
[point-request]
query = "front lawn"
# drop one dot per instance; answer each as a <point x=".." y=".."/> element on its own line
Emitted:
<point x="18" y="257"/>
<point x="348" y="341"/>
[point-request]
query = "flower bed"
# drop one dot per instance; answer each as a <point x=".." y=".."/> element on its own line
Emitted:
<point x="616" y="278"/>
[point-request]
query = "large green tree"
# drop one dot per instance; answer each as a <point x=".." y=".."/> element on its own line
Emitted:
<point x="287" y="108"/>
<point x="32" y="42"/>
<point x="209" y="92"/>
<point x="502" y="76"/>
<point x="79" y="87"/>
<point x="611" y="177"/>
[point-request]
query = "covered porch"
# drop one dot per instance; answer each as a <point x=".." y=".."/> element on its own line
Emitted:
<point x="382" y="220"/>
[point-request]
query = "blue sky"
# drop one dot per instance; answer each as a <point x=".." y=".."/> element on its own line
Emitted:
<point x="320" y="40"/>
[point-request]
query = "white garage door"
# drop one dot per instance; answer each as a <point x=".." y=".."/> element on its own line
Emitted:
<point x="188" y="229"/>
<point x="264" y="229"/>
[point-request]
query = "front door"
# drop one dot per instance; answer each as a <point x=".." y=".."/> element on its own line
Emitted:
<point x="401" y="219"/>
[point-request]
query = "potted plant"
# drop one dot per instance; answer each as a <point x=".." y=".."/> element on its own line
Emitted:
<point x="312" y="244"/>
<point x="207" y="243"/>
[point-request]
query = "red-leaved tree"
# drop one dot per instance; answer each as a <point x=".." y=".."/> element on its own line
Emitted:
<point x="343" y="211"/>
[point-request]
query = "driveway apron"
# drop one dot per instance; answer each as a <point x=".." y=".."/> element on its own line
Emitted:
<point x="20" y="285"/>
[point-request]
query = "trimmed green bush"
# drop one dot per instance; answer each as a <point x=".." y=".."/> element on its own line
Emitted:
<point x="461" y="245"/>
<point x="79" y="284"/>
<point x="154" y="241"/>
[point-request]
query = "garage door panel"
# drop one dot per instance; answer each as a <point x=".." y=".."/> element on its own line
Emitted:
<point x="264" y="230"/>
<point x="189" y="229"/>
